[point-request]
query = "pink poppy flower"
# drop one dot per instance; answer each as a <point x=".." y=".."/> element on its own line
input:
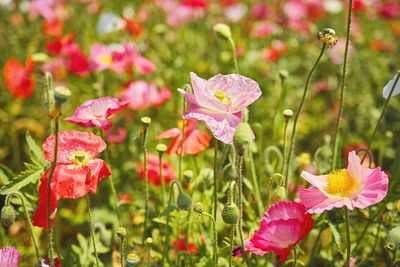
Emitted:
<point x="179" y="13"/>
<point x="9" y="257"/>
<point x="50" y="10"/>
<point x="354" y="187"/>
<point x="195" y="140"/>
<point x="95" y="112"/>
<point x="117" y="136"/>
<point x="77" y="172"/>
<point x="283" y="225"/>
<point x="220" y="101"/>
<point x="141" y="95"/>
<point x="100" y="57"/>
<point x="153" y="171"/>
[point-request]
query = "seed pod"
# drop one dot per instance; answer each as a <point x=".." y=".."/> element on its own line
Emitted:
<point x="121" y="232"/>
<point x="393" y="238"/>
<point x="222" y="31"/>
<point x="132" y="259"/>
<point x="184" y="201"/>
<point x="198" y="207"/>
<point x="242" y="137"/>
<point x="61" y="94"/>
<point x="328" y="36"/>
<point x="7" y="215"/>
<point x="230" y="213"/>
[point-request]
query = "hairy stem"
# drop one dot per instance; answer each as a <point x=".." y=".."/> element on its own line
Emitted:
<point x="91" y="224"/>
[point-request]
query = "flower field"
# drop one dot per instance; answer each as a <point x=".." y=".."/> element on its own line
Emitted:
<point x="199" y="133"/>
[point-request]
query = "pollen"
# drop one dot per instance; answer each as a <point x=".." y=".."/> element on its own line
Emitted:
<point x="105" y="59"/>
<point x="220" y="95"/>
<point x="80" y="158"/>
<point x="341" y="183"/>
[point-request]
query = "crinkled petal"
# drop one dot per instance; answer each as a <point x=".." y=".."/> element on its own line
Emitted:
<point x="9" y="257"/>
<point x="374" y="189"/>
<point x="204" y="96"/>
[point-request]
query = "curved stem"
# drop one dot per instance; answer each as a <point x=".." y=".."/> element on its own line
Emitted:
<point x="342" y="88"/>
<point x="348" y="251"/>
<point x="233" y="47"/>
<point x="292" y="139"/>
<point x="92" y="229"/>
<point x="215" y="246"/>
<point x="28" y="218"/>
<point x="215" y="178"/>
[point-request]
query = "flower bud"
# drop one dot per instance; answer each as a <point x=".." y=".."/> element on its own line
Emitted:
<point x="283" y="74"/>
<point x="287" y="114"/>
<point x="188" y="174"/>
<point x="222" y="31"/>
<point x="242" y="137"/>
<point x="184" y="201"/>
<point x="132" y="259"/>
<point x="198" y="207"/>
<point x="40" y="57"/>
<point x="161" y="148"/>
<point x="7" y="215"/>
<point x="146" y="121"/>
<point x="121" y="232"/>
<point x="279" y="194"/>
<point x="230" y="213"/>
<point x="393" y="238"/>
<point x="61" y="94"/>
<point x="328" y="36"/>
<point x="149" y="240"/>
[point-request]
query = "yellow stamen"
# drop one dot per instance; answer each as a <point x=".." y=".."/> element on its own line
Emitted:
<point x="105" y="59"/>
<point x="226" y="100"/>
<point x="341" y="183"/>
<point x="80" y="158"/>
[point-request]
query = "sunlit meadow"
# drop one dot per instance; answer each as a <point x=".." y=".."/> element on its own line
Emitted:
<point x="199" y="133"/>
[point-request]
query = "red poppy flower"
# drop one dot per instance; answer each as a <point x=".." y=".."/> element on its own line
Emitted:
<point x="153" y="172"/>
<point x="180" y="245"/>
<point x="77" y="171"/>
<point x="195" y="141"/>
<point x="18" y="78"/>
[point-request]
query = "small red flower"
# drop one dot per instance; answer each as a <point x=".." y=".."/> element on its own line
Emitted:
<point x="180" y="245"/>
<point x="153" y="171"/>
<point x="18" y="78"/>
<point x="195" y="141"/>
<point x="77" y="172"/>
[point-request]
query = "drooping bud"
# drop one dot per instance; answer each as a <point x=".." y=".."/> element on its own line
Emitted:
<point x="242" y="137"/>
<point x="287" y="114"/>
<point x="132" y="259"/>
<point x="198" y="207"/>
<point x="328" y="36"/>
<point x="184" y="201"/>
<point x="121" y="232"/>
<point x="146" y="121"/>
<point x="278" y="194"/>
<point x="61" y="94"/>
<point x="222" y="31"/>
<point x="230" y="213"/>
<point x="393" y="238"/>
<point x="7" y="215"/>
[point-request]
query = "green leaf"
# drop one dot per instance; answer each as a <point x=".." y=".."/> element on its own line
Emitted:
<point x="170" y="208"/>
<point x="336" y="237"/>
<point x="5" y="174"/>
<point x="23" y="179"/>
<point x="36" y="151"/>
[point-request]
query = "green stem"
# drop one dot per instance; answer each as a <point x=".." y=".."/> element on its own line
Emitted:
<point x="239" y="182"/>
<point x="123" y="251"/>
<point x="160" y="154"/>
<point x="146" y="183"/>
<point x="28" y="218"/>
<point x="342" y="88"/>
<point x="296" y="117"/>
<point x="278" y="105"/>
<point x="315" y="246"/>
<point x="233" y="47"/>
<point x="148" y="250"/>
<point x="257" y="193"/>
<point x="284" y="151"/>
<point x="215" y="245"/>
<point x="294" y="256"/>
<point x="92" y="229"/>
<point x="232" y="234"/>
<point x="347" y="222"/>
<point x="215" y="178"/>
<point x="182" y="141"/>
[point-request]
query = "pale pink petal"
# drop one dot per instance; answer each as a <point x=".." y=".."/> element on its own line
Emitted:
<point x="356" y="170"/>
<point x="284" y="210"/>
<point x="317" y="202"/>
<point x="374" y="190"/>
<point x="9" y="257"/>
<point x="204" y="96"/>
<point x="174" y="132"/>
<point x="144" y="66"/>
<point x="319" y="181"/>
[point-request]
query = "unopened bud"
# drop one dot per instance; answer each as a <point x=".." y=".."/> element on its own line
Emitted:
<point x="161" y="148"/>
<point x="146" y="121"/>
<point x="188" y="174"/>
<point x="288" y="114"/>
<point x="121" y="232"/>
<point x="198" y="207"/>
<point x="242" y="137"/>
<point x="149" y="240"/>
<point x="393" y="238"/>
<point x="283" y="74"/>
<point x="279" y="194"/>
<point x="184" y="201"/>
<point x="61" y="94"/>
<point x="328" y="36"/>
<point x="222" y="31"/>
<point x="132" y="259"/>
<point x="230" y="213"/>
<point x="7" y="215"/>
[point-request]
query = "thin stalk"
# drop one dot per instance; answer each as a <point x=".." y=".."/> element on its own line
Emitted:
<point x="92" y="229"/>
<point x="342" y="88"/>
<point x="239" y="182"/>
<point x="215" y="246"/>
<point x="284" y="150"/>
<point x="215" y="199"/>
<point x="257" y="193"/>
<point x="296" y="117"/>
<point x="348" y="251"/>
<point x="123" y="251"/>
<point x="148" y="250"/>
<point x="182" y="142"/>
<point x="146" y="183"/>
<point x="189" y="212"/>
<point x="233" y="47"/>
<point x="232" y="234"/>
<point x="160" y="154"/>
<point x="28" y="218"/>
<point x="315" y="246"/>
<point x="278" y="104"/>
<point x="294" y="256"/>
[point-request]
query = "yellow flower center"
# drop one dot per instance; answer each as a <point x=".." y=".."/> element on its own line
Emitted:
<point x="181" y="123"/>
<point x="105" y="59"/>
<point x="80" y="158"/>
<point x="341" y="183"/>
<point x="220" y="95"/>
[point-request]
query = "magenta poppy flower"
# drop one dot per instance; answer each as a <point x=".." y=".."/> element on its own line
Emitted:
<point x="9" y="257"/>
<point x="220" y="101"/>
<point x="95" y="112"/>
<point x="141" y="95"/>
<point x="77" y="172"/>
<point x="354" y="187"/>
<point x="282" y="226"/>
